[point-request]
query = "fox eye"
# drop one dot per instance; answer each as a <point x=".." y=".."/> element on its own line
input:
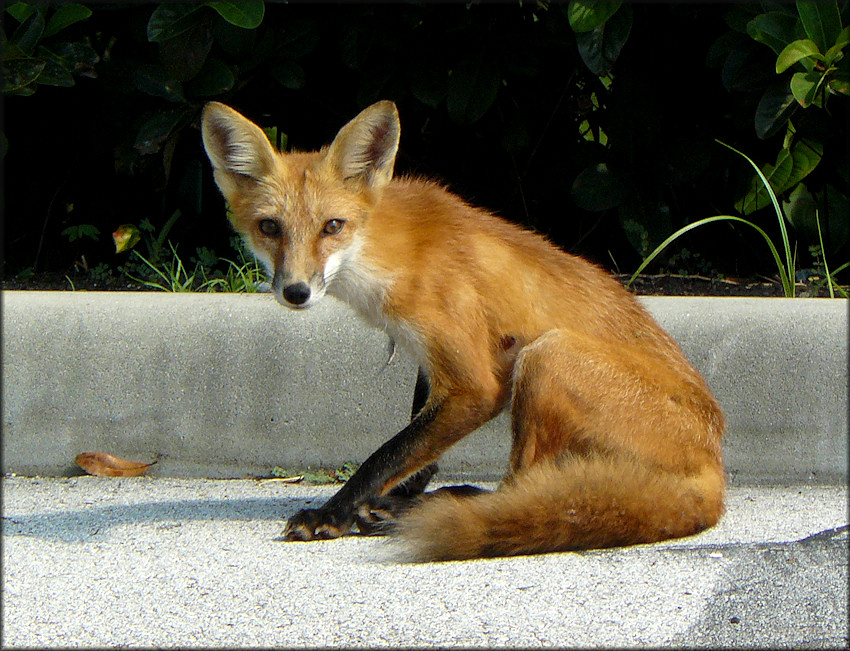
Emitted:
<point x="269" y="227"/>
<point x="333" y="226"/>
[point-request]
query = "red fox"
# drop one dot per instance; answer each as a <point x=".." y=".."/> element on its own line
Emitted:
<point x="616" y="437"/>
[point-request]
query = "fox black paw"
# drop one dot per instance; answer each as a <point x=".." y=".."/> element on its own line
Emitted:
<point x="315" y="524"/>
<point x="377" y="516"/>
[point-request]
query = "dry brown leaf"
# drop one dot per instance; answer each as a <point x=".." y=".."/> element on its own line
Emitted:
<point x="106" y="465"/>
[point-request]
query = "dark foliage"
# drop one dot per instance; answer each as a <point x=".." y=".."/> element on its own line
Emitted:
<point x="603" y="139"/>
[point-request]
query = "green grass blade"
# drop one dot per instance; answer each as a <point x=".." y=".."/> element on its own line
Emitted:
<point x="158" y="272"/>
<point x="782" y="273"/>
<point x="823" y="253"/>
<point x="788" y="286"/>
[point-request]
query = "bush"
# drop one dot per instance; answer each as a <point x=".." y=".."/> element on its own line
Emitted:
<point x="593" y="123"/>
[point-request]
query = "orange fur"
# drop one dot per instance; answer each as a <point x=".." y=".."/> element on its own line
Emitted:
<point x="616" y="436"/>
<point x="574" y="503"/>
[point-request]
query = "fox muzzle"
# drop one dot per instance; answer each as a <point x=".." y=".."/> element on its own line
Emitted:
<point x="297" y="294"/>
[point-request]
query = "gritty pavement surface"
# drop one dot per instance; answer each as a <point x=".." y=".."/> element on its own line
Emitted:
<point x="98" y="562"/>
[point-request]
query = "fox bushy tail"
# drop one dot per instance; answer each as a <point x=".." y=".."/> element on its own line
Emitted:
<point x="577" y="503"/>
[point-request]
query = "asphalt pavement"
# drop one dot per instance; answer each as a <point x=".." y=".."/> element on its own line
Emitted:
<point x="165" y="562"/>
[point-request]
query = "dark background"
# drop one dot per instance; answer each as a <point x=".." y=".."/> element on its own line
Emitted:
<point x="493" y="99"/>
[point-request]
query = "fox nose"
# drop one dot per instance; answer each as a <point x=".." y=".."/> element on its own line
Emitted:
<point x="297" y="293"/>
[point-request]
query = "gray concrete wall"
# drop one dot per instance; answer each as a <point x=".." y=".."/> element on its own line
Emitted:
<point x="232" y="385"/>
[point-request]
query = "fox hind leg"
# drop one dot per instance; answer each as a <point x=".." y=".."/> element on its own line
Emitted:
<point x="631" y="442"/>
<point x="612" y="446"/>
<point x="574" y="396"/>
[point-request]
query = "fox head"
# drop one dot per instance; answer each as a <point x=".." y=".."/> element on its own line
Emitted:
<point x="300" y="212"/>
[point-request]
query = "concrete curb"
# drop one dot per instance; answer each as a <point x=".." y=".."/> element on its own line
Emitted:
<point x="232" y="385"/>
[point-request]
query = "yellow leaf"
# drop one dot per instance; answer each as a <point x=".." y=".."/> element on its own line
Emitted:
<point x="126" y="237"/>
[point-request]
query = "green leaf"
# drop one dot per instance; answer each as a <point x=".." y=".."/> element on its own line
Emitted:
<point x="744" y="71"/>
<point x="153" y="80"/>
<point x="76" y="54"/>
<point x="20" y="11"/>
<point x="80" y="231"/>
<point x="821" y="21"/>
<point x="289" y="74"/>
<point x="472" y="89"/>
<point x="795" y="51"/>
<point x="776" y="175"/>
<point x="10" y="51"/>
<point x="214" y="78"/>
<point x="774" y="108"/>
<point x="515" y="136"/>
<point x="740" y="15"/>
<point x="277" y="138"/>
<point x="792" y="166"/>
<point x="800" y="211"/>
<point x="28" y="33"/>
<point x="585" y="15"/>
<point x="598" y="188"/>
<point x="169" y="20"/>
<point x="235" y="41"/>
<point x="247" y="15"/>
<point x="55" y="74"/>
<point x="786" y="271"/>
<point x="24" y="91"/>
<point x="725" y="44"/>
<point x="645" y="221"/>
<point x="76" y="58"/>
<point x="841" y="42"/>
<point x="65" y="16"/>
<point x="805" y="155"/>
<point x="184" y="54"/>
<point x="427" y="82"/>
<point x="775" y="29"/>
<point x="833" y="207"/>
<point x="20" y="73"/>
<point x="156" y="129"/>
<point x="840" y="83"/>
<point x="600" y="47"/>
<point x="804" y="86"/>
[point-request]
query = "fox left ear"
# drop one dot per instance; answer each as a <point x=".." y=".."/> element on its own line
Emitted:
<point x="365" y="148"/>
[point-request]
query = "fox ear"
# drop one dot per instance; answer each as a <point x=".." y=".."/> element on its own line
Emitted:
<point x="235" y="146"/>
<point x="365" y="148"/>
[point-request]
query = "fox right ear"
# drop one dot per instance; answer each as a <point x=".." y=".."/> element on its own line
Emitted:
<point x="235" y="146"/>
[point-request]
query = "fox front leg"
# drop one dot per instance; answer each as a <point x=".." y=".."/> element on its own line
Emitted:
<point x="396" y="458"/>
<point x="337" y="516"/>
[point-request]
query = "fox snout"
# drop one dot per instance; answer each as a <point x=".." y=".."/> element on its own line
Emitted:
<point x="294" y="294"/>
<point x="297" y="294"/>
